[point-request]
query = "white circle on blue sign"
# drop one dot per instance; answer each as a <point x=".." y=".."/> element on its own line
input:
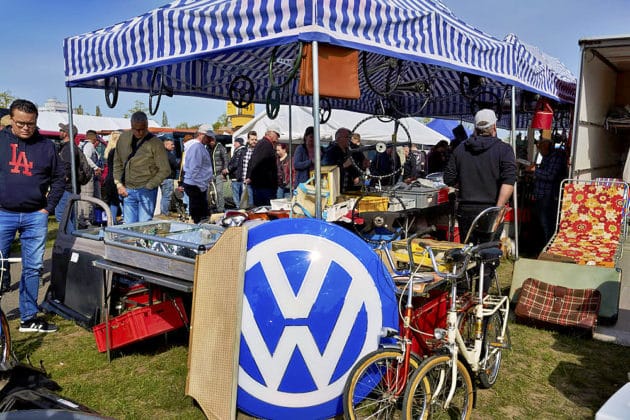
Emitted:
<point x="315" y="300"/>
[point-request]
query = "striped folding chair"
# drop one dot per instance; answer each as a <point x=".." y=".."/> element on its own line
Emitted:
<point x="591" y="223"/>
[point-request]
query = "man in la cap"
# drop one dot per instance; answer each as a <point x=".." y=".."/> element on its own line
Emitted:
<point x="548" y="175"/>
<point x="140" y="166"/>
<point x="198" y="172"/>
<point x="262" y="169"/>
<point x="483" y="168"/>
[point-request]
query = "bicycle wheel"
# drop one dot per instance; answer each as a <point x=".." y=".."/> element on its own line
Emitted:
<point x="6" y="353"/>
<point x="428" y="389"/>
<point x="491" y="351"/>
<point x="376" y="385"/>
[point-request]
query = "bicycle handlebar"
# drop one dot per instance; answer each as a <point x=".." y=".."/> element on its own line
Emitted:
<point x="468" y="252"/>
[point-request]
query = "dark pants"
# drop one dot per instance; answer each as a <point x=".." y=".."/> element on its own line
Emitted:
<point x="466" y="213"/>
<point x="197" y="202"/>
<point x="546" y="213"/>
<point x="263" y="196"/>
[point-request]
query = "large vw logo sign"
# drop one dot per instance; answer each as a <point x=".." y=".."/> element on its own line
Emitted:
<point x="315" y="300"/>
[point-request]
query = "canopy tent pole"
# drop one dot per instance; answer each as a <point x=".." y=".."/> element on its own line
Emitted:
<point x="318" y="169"/>
<point x="290" y="157"/>
<point x="72" y="134"/>
<point x="514" y="194"/>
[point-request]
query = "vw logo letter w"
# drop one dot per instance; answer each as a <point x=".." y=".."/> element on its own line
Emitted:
<point x="316" y="298"/>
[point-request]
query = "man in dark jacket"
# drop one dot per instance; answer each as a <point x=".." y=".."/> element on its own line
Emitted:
<point x="64" y="154"/>
<point x="32" y="181"/>
<point x="167" y="185"/>
<point x="235" y="169"/>
<point x="262" y="169"/>
<point x="483" y="168"/>
<point x="220" y="162"/>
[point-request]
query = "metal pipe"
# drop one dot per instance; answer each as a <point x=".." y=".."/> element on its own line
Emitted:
<point x="72" y="134"/>
<point x="515" y="193"/>
<point x="318" y="169"/>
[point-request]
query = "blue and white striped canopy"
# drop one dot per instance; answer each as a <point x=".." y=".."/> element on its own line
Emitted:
<point x="198" y="48"/>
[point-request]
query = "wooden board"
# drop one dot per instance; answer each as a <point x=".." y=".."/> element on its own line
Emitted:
<point x="216" y="325"/>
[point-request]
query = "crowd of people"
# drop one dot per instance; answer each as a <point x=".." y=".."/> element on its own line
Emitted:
<point x="36" y="178"/>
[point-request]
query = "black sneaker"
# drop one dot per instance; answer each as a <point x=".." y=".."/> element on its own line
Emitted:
<point x="37" y="325"/>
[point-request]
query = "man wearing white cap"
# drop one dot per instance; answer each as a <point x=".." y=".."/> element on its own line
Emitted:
<point x="483" y="168"/>
<point x="262" y="169"/>
<point x="198" y="173"/>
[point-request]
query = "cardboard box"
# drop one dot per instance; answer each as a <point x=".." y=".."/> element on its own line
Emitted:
<point x="330" y="182"/>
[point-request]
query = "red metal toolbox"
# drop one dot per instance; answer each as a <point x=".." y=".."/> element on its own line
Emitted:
<point x="141" y="323"/>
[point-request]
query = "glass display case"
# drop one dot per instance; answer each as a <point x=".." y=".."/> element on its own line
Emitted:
<point x="166" y="247"/>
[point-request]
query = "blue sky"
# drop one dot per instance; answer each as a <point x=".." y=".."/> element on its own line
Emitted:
<point x="32" y="33"/>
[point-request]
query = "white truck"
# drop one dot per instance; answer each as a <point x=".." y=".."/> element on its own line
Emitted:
<point x="599" y="149"/>
<point x="601" y="126"/>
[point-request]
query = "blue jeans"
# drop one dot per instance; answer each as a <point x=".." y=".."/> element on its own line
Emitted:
<point x="139" y="205"/>
<point x="60" y="209"/>
<point x="32" y="228"/>
<point x="167" y="193"/>
<point x="237" y="192"/>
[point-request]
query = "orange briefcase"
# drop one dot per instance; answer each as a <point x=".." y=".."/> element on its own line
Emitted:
<point x="338" y="72"/>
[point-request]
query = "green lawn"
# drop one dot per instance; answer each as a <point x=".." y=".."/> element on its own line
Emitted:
<point x="546" y="375"/>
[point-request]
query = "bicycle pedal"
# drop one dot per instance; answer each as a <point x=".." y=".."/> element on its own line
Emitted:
<point x="498" y="345"/>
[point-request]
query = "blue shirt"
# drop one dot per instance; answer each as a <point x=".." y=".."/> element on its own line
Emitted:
<point x="197" y="166"/>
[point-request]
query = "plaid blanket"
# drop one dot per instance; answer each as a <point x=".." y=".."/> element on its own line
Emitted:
<point x="558" y="305"/>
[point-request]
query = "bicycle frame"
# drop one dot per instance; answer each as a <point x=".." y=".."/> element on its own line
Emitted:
<point x="482" y="307"/>
<point x="407" y="337"/>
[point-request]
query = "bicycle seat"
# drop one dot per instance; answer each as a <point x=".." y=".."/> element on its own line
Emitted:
<point x="490" y="255"/>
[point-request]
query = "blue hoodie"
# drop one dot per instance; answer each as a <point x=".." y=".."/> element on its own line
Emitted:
<point x="31" y="174"/>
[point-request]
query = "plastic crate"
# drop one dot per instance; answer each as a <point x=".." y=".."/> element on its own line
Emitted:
<point x="141" y="323"/>
<point x="138" y="295"/>
<point x="373" y="203"/>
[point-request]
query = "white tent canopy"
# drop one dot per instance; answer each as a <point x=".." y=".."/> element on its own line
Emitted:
<point x="49" y="121"/>
<point x="370" y="128"/>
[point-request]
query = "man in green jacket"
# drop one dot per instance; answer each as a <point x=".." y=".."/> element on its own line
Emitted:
<point x="140" y="166"/>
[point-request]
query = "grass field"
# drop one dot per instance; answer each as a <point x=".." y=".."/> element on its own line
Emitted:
<point x="546" y="375"/>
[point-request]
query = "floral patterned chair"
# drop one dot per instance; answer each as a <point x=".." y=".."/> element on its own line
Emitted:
<point x="592" y="223"/>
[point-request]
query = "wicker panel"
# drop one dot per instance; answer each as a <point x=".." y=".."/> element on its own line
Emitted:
<point x="216" y="325"/>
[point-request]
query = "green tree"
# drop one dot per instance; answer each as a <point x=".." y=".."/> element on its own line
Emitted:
<point x="222" y="121"/>
<point x="79" y="110"/>
<point x="164" y="119"/>
<point x="137" y="106"/>
<point x="98" y="111"/>
<point x="6" y="98"/>
<point x="182" y="125"/>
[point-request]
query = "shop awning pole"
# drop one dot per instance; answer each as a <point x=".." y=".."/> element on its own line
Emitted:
<point x="318" y="169"/>
<point x="72" y="134"/>
<point x="514" y="194"/>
